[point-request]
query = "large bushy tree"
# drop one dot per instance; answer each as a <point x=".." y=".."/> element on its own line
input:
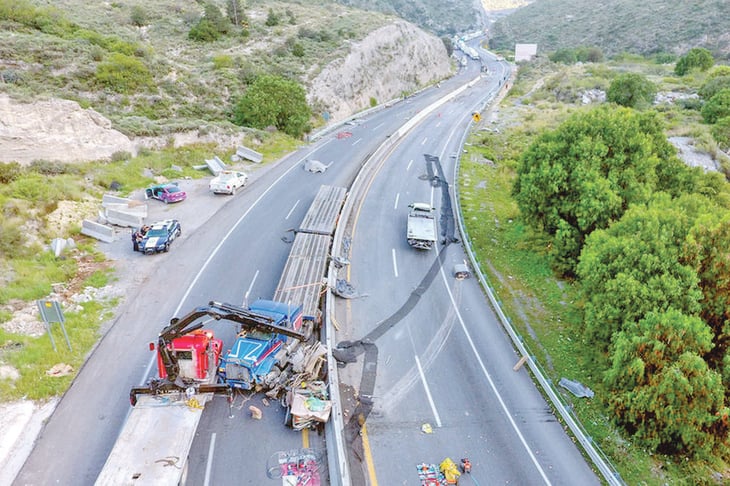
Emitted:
<point x="662" y="391"/>
<point x="632" y="90"/>
<point x="707" y="250"/>
<point x="633" y="267"/>
<point x="274" y="101"/>
<point x="697" y="58"/>
<point x="585" y="174"/>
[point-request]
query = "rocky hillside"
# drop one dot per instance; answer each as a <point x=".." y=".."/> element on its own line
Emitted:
<point x="345" y="59"/>
<point x="387" y="63"/>
<point x="646" y="27"/>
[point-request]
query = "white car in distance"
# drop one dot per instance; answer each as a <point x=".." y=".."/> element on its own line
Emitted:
<point x="228" y="182"/>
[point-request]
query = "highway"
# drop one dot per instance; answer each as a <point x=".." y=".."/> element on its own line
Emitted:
<point x="442" y="358"/>
<point x="426" y="351"/>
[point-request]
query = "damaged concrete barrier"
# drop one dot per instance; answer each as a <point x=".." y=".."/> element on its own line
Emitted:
<point x="248" y="154"/>
<point x="99" y="231"/>
<point x="123" y="218"/>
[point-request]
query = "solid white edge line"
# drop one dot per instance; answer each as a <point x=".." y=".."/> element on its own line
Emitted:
<point x="484" y="368"/>
<point x="428" y="393"/>
<point x="209" y="462"/>
<point x="395" y="264"/>
<point x="491" y="383"/>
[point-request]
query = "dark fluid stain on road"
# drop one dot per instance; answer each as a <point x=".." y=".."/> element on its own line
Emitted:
<point x="349" y="351"/>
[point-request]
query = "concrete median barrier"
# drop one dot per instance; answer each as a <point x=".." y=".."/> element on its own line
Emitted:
<point x="101" y="232"/>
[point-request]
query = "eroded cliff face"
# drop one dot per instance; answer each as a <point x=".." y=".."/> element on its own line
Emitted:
<point x="396" y="59"/>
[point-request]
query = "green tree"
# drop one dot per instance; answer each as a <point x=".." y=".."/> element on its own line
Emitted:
<point x="633" y="267"/>
<point x="274" y="101"/>
<point x="632" y="90"/>
<point x="564" y="56"/>
<point x="706" y="250"/>
<point x="717" y="107"/>
<point x="583" y="175"/>
<point x="661" y="390"/>
<point x="697" y="58"/>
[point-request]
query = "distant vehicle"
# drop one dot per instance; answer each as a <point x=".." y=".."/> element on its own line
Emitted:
<point x="421" y="228"/>
<point x="157" y="237"/>
<point x="228" y="182"/>
<point x="167" y="193"/>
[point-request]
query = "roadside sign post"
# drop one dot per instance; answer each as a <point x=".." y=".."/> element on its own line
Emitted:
<point x="51" y="312"/>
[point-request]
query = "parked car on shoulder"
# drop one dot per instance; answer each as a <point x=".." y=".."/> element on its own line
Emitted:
<point x="156" y="237"/>
<point x="167" y="193"/>
<point x="228" y="182"/>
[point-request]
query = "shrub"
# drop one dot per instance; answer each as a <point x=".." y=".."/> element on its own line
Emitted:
<point x="138" y="16"/>
<point x="11" y="240"/>
<point x="721" y="132"/>
<point x="222" y="61"/>
<point x="713" y="85"/>
<point x="717" y="107"/>
<point x="273" y="19"/>
<point x="9" y="172"/>
<point x="123" y="74"/>
<point x="203" y="31"/>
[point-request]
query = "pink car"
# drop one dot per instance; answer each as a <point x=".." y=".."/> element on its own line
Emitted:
<point x="167" y="193"/>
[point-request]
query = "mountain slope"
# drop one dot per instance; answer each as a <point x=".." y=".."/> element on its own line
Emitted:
<point x="75" y="49"/>
<point x="616" y="26"/>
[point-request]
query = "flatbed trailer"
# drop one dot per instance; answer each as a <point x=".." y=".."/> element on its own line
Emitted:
<point x="153" y="447"/>
<point x="302" y="281"/>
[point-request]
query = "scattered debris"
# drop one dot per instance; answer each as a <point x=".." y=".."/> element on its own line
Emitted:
<point x="576" y="388"/>
<point x="314" y="166"/>
<point x="426" y="429"/>
<point x="344" y="289"/>
<point x="60" y="369"/>
<point x="256" y="412"/>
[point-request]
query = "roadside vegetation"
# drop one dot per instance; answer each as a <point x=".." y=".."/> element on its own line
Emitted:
<point x="607" y="254"/>
<point x="163" y="67"/>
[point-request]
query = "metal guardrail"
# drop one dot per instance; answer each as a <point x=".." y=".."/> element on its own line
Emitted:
<point x="600" y="460"/>
<point x="339" y="470"/>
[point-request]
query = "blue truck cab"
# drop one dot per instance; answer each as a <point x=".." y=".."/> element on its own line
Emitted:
<point x="260" y="351"/>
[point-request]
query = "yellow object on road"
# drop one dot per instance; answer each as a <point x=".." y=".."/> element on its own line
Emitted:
<point x="450" y="471"/>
